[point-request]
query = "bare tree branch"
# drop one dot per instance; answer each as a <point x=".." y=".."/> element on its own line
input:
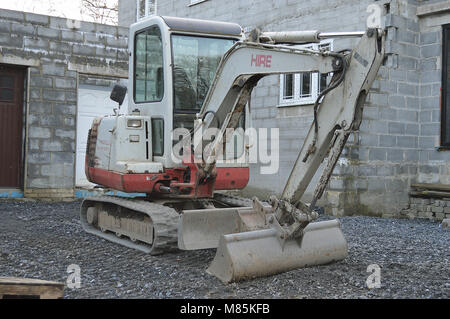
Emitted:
<point x="101" y="11"/>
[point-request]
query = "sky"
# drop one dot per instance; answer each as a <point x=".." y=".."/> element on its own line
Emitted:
<point x="70" y="9"/>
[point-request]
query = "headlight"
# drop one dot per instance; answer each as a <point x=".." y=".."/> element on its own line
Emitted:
<point x="134" y="123"/>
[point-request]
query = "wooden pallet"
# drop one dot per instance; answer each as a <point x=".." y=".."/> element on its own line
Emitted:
<point x="25" y="288"/>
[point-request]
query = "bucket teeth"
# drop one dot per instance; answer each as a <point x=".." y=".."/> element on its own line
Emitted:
<point x="260" y="253"/>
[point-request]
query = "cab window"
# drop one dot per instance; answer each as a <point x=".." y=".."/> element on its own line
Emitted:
<point x="148" y="66"/>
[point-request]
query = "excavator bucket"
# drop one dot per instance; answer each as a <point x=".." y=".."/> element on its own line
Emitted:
<point x="258" y="253"/>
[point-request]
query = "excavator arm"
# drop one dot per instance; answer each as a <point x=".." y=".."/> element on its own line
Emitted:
<point x="285" y="238"/>
<point x="337" y="111"/>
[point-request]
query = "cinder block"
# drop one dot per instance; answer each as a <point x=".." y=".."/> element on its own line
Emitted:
<point x="428" y="64"/>
<point x="48" y="32"/>
<point x="430" y="76"/>
<point x="53" y="170"/>
<point x="65" y="133"/>
<point x="53" y="69"/>
<point x="62" y="157"/>
<point x="397" y="101"/>
<point x="388" y="86"/>
<point x="437" y="209"/>
<point x="12" y="15"/>
<point x="431" y="50"/>
<point x="429" y="129"/>
<point x="385" y="170"/>
<point x="388" y="113"/>
<point x="106" y="52"/>
<point x="430" y="102"/>
<point x="83" y="50"/>
<point x="376" y="184"/>
<point x="38" y="157"/>
<point x="407" y="89"/>
<point x="63" y="83"/>
<point x="60" y="47"/>
<point x="95" y="38"/>
<point x="41" y="81"/>
<point x="22" y="29"/>
<point x="378" y="98"/>
<point x="35" y="43"/>
<point x="120" y="42"/>
<point x="413" y="102"/>
<point x="39" y="132"/>
<point x="387" y="140"/>
<point x="64" y="109"/>
<point x="51" y="145"/>
<point x="37" y="18"/>
<point x="430" y="37"/>
<point x="407" y="115"/>
<point x="406" y="36"/>
<point x="105" y="28"/>
<point x="48" y="120"/>
<point x="367" y="170"/>
<point x="412" y="129"/>
<point x="377" y="154"/>
<point x="40" y="107"/>
<point x="368" y="139"/>
<point x="396" y="128"/>
<point x="33" y="144"/>
<point x="406" y="63"/>
<point x="394" y="155"/>
<point x="53" y="95"/>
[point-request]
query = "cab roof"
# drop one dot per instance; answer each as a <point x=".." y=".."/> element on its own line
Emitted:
<point x="202" y="26"/>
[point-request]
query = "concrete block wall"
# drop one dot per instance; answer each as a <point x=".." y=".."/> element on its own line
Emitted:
<point x="433" y="161"/>
<point x="400" y="136"/>
<point x="55" y="51"/>
<point x="427" y="208"/>
<point x="381" y="160"/>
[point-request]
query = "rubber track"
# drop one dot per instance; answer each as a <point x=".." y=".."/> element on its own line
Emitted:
<point x="165" y="224"/>
<point x="232" y="200"/>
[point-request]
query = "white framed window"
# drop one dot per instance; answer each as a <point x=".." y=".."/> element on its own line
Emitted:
<point x="145" y="8"/>
<point x="304" y="88"/>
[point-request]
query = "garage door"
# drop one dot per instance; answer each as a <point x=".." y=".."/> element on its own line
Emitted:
<point x="93" y="101"/>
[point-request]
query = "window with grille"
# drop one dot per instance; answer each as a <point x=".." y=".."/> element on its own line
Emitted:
<point x="304" y="88"/>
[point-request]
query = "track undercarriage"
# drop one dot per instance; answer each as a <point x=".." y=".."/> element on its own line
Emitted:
<point x="152" y="226"/>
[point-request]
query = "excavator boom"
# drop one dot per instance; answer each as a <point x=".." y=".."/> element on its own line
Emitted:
<point x="286" y="239"/>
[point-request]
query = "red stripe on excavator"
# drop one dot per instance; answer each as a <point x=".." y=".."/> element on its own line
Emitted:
<point x="227" y="178"/>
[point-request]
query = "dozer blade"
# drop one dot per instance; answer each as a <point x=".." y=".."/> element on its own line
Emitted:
<point x="261" y="252"/>
<point x="202" y="229"/>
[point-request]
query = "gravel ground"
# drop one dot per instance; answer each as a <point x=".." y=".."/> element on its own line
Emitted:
<point x="40" y="240"/>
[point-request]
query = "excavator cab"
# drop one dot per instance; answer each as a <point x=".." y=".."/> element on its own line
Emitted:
<point x="172" y="65"/>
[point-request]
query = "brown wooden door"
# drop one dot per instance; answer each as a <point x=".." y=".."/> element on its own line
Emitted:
<point x="11" y="119"/>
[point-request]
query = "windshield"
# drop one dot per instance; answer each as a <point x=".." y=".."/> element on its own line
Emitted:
<point x="195" y="61"/>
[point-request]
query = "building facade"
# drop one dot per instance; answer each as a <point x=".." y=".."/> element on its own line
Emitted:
<point x="55" y="75"/>
<point x="67" y="68"/>
<point x="404" y="135"/>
